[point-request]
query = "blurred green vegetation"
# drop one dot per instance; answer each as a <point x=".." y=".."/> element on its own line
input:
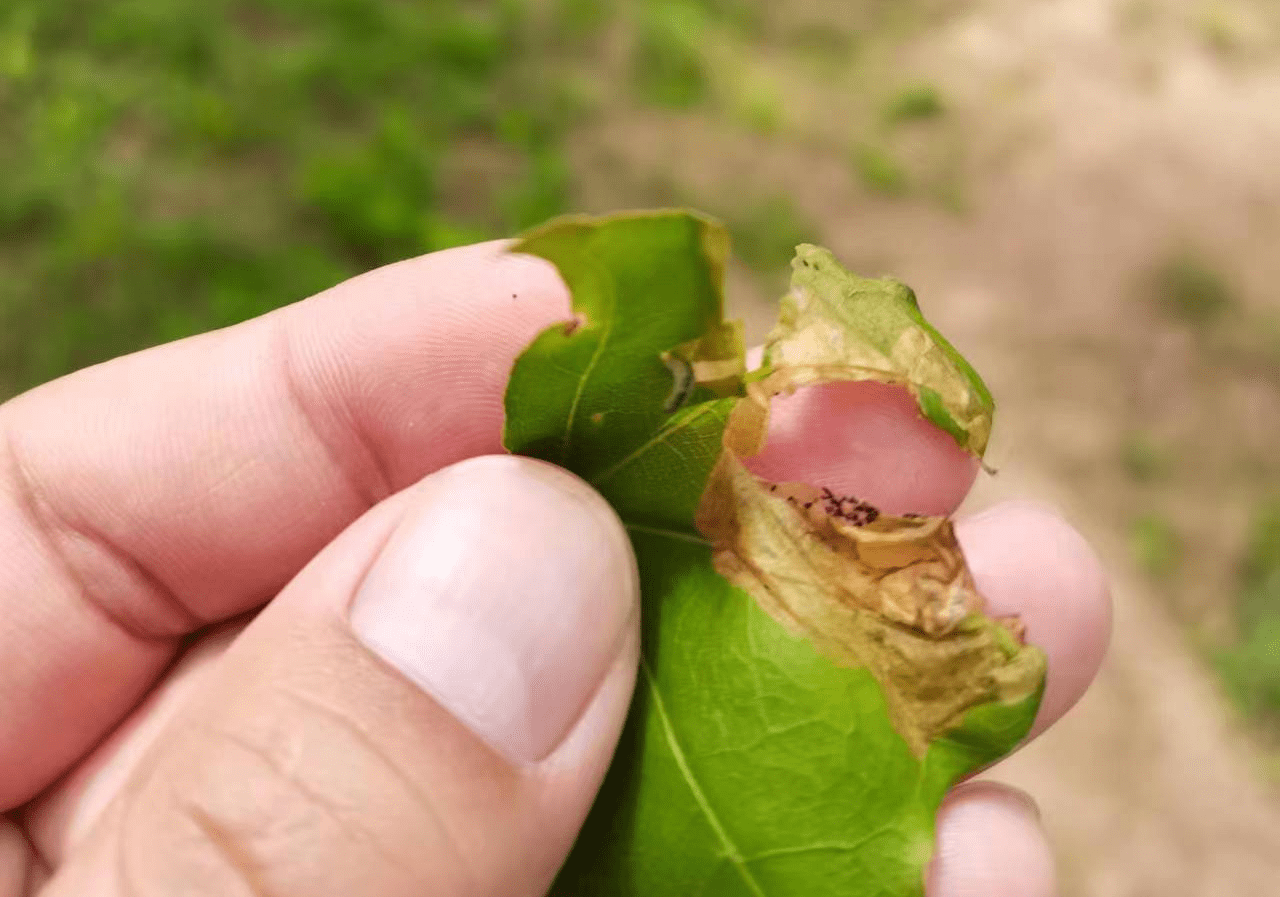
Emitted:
<point x="766" y="233"/>
<point x="915" y="102"/>
<point x="1144" y="459"/>
<point x="879" y="171"/>
<point x="668" y="66"/>
<point x="1251" y="665"/>
<point x="1156" y="546"/>
<point x="1189" y="288"/>
<point x="1220" y="30"/>
<point x="172" y="166"/>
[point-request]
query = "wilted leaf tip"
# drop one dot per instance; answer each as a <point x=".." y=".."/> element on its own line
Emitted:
<point x="835" y="325"/>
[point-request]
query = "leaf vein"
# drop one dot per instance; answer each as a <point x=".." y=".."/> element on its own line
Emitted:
<point x="656" y="439"/>
<point x="834" y="847"/>
<point x="605" y="335"/>
<point x="667" y="533"/>
<point x="732" y="853"/>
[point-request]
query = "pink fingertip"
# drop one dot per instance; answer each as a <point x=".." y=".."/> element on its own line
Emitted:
<point x="868" y="440"/>
<point x="1031" y="563"/>
<point x="990" y="844"/>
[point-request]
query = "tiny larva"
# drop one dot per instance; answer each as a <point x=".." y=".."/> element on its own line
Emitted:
<point x="682" y="382"/>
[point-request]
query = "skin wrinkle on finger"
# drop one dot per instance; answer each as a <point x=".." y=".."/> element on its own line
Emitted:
<point x="156" y="484"/>
<point x="28" y="627"/>
<point x="255" y="406"/>
<point x="574" y="768"/>
<point x="224" y="844"/>
<point x="59" y="819"/>
<point x="17" y="860"/>
<point x="87" y="561"/>
<point x="356" y="460"/>
<point x="298" y="686"/>
<point x="220" y="488"/>
<point x="345" y="818"/>
<point x="273" y="794"/>
<point x="62" y="820"/>
<point x="362" y="736"/>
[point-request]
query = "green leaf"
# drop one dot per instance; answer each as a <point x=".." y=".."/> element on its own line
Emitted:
<point x="593" y="393"/>
<point x="762" y="755"/>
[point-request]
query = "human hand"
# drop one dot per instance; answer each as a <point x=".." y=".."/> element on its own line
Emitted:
<point x="430" y="696"/>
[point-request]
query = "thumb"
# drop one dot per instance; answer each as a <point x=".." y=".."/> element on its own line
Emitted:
<point x="428" y="708"/>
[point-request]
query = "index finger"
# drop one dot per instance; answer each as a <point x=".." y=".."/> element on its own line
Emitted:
<point x="149" y="496"/>
<point x="158" y="493"/>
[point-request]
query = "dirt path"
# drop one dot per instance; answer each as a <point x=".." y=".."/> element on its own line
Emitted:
<point x="1091" y="139"/>
<point x="1121" y="139"/>
<point x="1139" y="140"/>
<point x="1147" y="788"/>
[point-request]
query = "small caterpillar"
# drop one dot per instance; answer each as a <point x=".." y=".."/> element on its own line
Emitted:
<point x="682" y="384"/>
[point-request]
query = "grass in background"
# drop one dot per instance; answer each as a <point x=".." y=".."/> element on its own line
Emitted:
<point x="1143" y="459"/>
<point x="173" y="166"/>
<point x="1251" y="667"/>
<point x="915" y="102"/>
<point x="765" y="235"/>
<point x="1190" y="289"/>
<point x="879" y="171"/>
<point x="1156" y="545"/>
<point x="667" y="67"/>
<point x="1220" y="30"/>
<point x="758" y="106"/>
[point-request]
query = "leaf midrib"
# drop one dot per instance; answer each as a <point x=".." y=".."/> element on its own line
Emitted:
<point x="732" y="852"/>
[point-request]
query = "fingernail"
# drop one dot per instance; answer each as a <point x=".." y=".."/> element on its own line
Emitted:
<point x="990" y="843"/>
<point x="504" y="595"/>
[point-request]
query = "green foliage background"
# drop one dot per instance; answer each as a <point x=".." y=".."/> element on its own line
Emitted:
<point x="170" y="166"/>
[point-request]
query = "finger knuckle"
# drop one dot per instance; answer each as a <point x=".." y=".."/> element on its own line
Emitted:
<point x="299" y="800"/>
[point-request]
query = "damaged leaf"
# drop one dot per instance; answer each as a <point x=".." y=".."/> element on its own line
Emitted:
<point x="835" y="325"/>
<point x="890" y="594"/>
<point x="814" y="674"/>
<point x="587" y="396"/>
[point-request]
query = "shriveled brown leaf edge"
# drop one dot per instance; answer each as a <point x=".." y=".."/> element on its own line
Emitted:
<point x="890" y="593"/>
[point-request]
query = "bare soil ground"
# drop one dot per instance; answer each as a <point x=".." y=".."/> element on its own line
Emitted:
<point x="1085" y="142"/>
<point x="1146" y="135"/>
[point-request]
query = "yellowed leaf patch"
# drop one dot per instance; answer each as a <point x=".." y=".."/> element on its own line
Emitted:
<point x="834" y="325"/>
<point x="892" y="594"/>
